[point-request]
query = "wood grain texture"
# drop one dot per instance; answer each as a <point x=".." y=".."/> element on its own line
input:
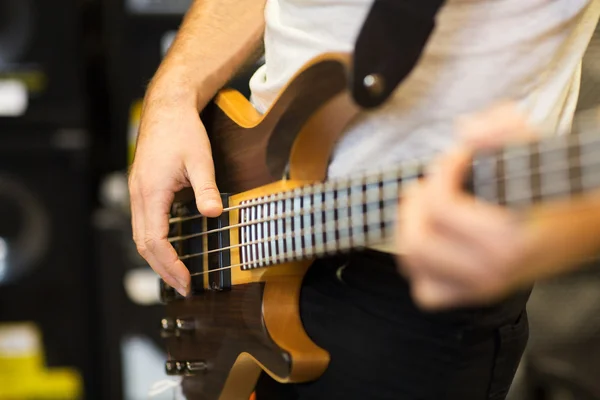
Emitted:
<point x="251" y="150"/>
<point x="228" y="323"/>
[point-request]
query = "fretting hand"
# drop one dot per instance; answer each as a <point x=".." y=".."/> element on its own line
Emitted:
<point x="455" y="249"/>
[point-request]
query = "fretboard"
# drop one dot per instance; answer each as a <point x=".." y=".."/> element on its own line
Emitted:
<point x="346" y="214"/>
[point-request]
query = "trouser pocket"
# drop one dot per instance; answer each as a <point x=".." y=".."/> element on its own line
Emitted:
<point x="511" y="340"/>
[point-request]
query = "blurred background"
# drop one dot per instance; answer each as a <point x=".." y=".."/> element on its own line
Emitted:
<point x="79" y="310"/>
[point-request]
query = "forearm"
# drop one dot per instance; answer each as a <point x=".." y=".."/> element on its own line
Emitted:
<point x="214" y="41"/>
<point x="564" y="235"/>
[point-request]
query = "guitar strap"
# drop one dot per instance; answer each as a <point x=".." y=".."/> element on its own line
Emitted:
<point x="388" y="47"/>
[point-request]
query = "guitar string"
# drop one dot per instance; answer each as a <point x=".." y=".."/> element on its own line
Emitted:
<point x="270" y="260"/>
<point x="291" y="234"/>
<point x="566" y="142"/>
<point x="296" y="213"/>
<point x="372" y="177"/>
<point x="289" y="256"/>
<point x="314" y="230"/>
<point x="269" y="199"/>
<point x="348" y="204"/>
<point x="520" y="174"/>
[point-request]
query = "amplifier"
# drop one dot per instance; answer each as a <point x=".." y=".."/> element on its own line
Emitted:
<point x="41" y="64"/>
<point x="46" y="269"/>
<point x="137" y="35"/>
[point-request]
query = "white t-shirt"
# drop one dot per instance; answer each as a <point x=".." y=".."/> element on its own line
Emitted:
<point x="481" y="51"/>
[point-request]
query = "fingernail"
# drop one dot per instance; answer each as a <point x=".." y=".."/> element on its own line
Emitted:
<point x="183" y="286"/>
<point x="182" y="291"/>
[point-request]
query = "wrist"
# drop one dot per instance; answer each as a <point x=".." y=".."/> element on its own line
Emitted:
<point x="177" y="84"/>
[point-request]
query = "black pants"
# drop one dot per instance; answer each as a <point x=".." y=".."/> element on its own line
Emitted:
<point x="383" y="347"/>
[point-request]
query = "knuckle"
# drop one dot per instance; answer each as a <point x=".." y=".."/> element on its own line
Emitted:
<point x="141" y="248"/>
<point x="150" y="243"/>
<point x="205" y="188"/>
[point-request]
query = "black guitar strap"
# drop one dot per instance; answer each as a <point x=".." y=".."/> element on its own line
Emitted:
<point x="388" y="47"/>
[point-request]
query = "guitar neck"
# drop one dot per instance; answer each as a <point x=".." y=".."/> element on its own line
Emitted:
<point x="358" y="212"/>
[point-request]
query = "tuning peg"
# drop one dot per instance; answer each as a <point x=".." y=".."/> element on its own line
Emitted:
<point x="170" y="327"/>
<point x="173" y="367"/>
<point x="185" y="325"/>
<point x="167" y="327"/>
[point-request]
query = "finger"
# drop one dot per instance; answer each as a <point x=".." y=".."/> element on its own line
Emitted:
<point x="494" y="127"/>
<point x="139" y="233"/>
<point x="443" y="259"/>
<point x="434" y="295"/>
<point x="449" y="275"/>
<point x="159" y="252"/>
<point x="440" y="275"/>
<point x="201" y="174"/>
<point x="447" y="176"/>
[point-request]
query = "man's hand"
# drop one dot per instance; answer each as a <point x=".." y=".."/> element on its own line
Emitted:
<point x="214" y="40"/>
<point x="173" y="152"/>
<point x="455" y="249"/>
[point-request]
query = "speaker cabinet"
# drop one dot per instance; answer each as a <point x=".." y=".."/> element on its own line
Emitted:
<point x="137" y="34"/>
<point x="46" y="271"/>
<point x="41" y="64"/>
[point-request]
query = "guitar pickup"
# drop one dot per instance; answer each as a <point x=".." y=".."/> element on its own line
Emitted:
<point x="219" y="253"/>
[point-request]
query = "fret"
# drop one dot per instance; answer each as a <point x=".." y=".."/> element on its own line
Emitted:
<point x="264" y="232"/>
<point x="308" y="221"/>
<point x="244" y="235"/>
<point x="390" y="190"/>
<point x="269" y="230"/>
<point x="297" y="225"/>
<point x="373" y="213"/>
<point x="331" y="228"/>
<point x="554" y="164"/>
<point x="588" y="156"/>
<point x="484" y="176"/>
<point x="280" y="230"/>
<point x="363" y="210"/>
<point x="535" y="172"/>
<point x="499" y="178"/>
<point x="272" y="230"/>
<point x="382" y="225"/>
<point x="356" y="193"/>
<point x="343" y="216"/>
<point x="288" y="241"/>
<point x="517" y="190"/>
<point x="253" y="237"/>
<point x="575" y="184"/>
<point x="319" y="220"/>
<point x="260" y="234"/>
<point x="390" y="184"/>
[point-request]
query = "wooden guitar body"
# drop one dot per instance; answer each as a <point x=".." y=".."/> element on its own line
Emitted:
<point x="225" y="334"/>
<point x="247" y="265"/>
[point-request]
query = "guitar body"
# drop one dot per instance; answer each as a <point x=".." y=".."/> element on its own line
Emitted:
<point x="229" y="335"/>
<point x="247" y="265"/>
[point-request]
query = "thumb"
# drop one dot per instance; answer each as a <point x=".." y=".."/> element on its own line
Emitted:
<point x="201" y="173"/>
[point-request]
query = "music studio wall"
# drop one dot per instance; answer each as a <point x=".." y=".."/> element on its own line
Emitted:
<point x="47" y="318"/>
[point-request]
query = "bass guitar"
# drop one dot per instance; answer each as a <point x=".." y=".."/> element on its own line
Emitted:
<point x="281" y="213"/>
